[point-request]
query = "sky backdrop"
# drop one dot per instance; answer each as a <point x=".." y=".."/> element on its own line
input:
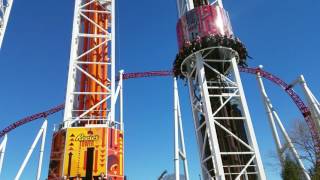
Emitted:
<point x="281" y="35"/>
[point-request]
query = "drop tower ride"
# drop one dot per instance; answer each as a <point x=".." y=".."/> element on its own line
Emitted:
<point x="89" y="142"/>
<point x="208" y="58"/>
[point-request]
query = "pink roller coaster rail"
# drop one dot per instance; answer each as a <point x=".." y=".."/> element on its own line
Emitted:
<point x="294" y="96"/>
<point x="305" y="111"/>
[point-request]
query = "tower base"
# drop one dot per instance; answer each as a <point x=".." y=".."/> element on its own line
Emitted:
<point x="87" y="152"/>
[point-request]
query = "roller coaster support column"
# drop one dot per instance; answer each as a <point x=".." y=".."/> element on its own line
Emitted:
<point x="179" y="153"/>
<point x="43" y="142"/>
<point x="271" y="119"/>
<point x="3" y="150"/>
<point x="42" y="132"/>
<point x="272" y="114"/>
<point x="312" y="101"/>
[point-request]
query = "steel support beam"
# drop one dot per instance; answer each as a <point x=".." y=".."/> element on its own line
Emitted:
<point x="41" y="133"/>
<point x="2" y="151"/>
<point x="179" y="152"/>
<point x="271" y="120"/>
<point x="313" y="103"/>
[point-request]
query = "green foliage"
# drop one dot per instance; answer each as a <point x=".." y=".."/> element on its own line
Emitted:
<point x="290" y="170"/>
<point x="316" y="174"/>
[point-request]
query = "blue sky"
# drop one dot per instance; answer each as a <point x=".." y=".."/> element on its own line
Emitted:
<point x="281" y="35"/>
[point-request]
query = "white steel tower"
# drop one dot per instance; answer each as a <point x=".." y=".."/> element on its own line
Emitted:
<point x="89" y="144"/>
<point x="91" y="80"/>
<point x="208" y="59"/>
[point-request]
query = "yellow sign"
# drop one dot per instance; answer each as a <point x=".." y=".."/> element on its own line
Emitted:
<point x="85" y="152"/>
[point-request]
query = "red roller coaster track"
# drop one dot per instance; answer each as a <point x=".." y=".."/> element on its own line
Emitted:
<point x="294" y="96"/>
<point x="31" y="118"/>
<point x="305" y="111"/>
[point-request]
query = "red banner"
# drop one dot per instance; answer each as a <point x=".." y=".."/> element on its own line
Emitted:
<point x="203" y="21"/>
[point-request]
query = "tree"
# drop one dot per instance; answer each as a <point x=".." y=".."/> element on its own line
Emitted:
<point x="290" y="170"/>
<point x="303" y="141"/>
<point x="316" y="174"/>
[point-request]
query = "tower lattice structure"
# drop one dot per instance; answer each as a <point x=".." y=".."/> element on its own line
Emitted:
<point x="89" y="142"/>
<point x="208" y="58"/>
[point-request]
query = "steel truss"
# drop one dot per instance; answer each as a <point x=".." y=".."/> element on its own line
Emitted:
<point x="5" y="9"/>
<point x="86" y="59"/>
<point x="227" y="144"/>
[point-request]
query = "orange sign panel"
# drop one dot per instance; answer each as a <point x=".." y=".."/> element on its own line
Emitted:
<point x="57" y="154"/>
<point x="90" y="152"/>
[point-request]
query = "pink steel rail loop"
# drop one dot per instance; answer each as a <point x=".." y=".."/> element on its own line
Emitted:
<point x="305" y="111"/>
<point x="287" y="88"/>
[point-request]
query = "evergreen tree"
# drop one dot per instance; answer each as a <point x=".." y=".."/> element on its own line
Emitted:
<point x="316" y="174"/>
<point x="290" y="170"/>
